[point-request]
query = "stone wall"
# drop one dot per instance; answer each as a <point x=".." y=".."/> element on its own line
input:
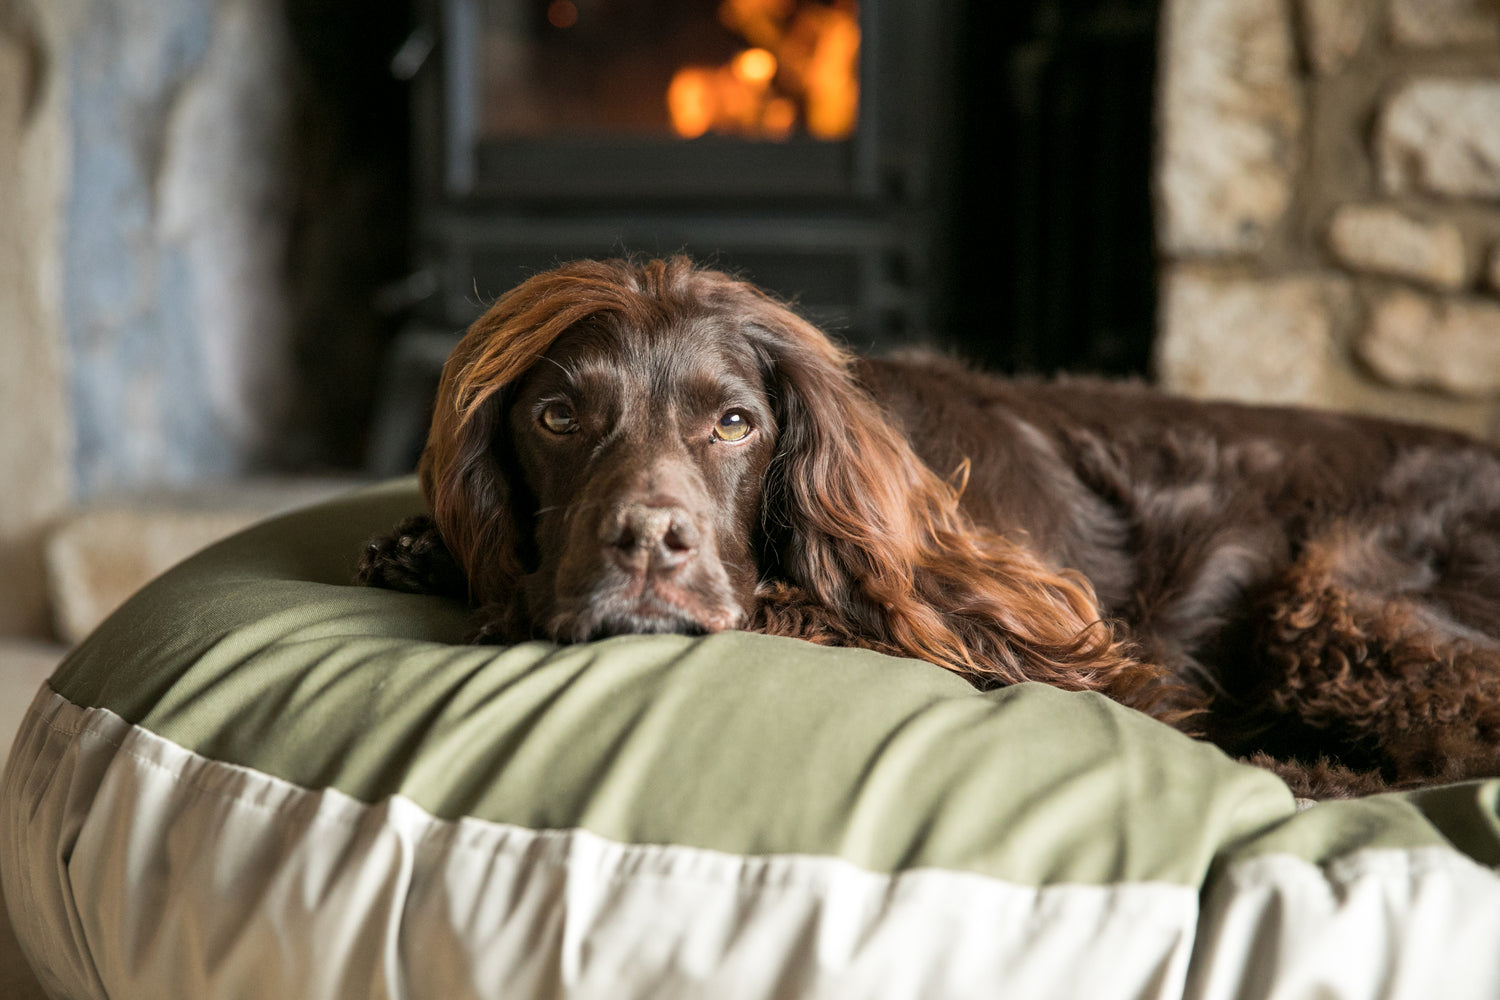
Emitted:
<point x="151" y="139"/>
<point x="34" y="438"/>
<point x="1328" y="205"/>
<point x="144" y="222"/>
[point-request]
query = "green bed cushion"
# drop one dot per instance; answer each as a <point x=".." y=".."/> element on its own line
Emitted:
<point x="258" y="780"/>
<point x="259" y="653"/>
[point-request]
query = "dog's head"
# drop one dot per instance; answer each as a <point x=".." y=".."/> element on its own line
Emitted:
<point x="603" y="441"/>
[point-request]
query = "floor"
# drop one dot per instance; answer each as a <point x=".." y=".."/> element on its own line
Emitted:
<point x="23" y="667"/>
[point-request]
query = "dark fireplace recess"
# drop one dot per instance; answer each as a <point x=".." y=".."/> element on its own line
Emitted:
<point x="965" y="175"/>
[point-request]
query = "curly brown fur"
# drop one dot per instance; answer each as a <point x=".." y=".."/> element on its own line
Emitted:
<point x="1322" y="778"/>
<point x="657" y="447"/>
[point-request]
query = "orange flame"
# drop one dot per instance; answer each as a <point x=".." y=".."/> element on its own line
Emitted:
<point x="802" y="63"/>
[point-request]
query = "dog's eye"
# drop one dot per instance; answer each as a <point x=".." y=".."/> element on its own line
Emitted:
<point x="559" y="419"/>
<point x="732" y="426"/>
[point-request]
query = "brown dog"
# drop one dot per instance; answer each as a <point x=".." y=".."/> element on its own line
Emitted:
<point x="626" y="448"/>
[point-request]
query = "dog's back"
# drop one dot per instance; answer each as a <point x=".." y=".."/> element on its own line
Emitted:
<point x="1325" y="580"/>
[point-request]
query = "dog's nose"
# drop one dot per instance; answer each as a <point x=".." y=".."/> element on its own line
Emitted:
<point x="644" y="536"/>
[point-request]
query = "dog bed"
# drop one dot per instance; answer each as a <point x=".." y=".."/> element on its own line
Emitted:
<point x="256" y="780"/>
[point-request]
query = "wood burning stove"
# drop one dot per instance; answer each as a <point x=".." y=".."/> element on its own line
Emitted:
<point x="756" y="134"/>
<point x="949" y="172"/>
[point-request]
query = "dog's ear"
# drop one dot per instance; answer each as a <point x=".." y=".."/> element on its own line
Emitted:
<point x="468" y="488"/>
<point x="466" y="468"/>
<point x="879" y="552"/>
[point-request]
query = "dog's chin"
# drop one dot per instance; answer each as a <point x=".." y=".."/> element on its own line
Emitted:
<point x="648" y="611"/>
<point x="643" y="622"/>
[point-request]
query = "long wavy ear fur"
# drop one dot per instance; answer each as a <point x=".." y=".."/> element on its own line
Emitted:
<point x="881" y="555"/>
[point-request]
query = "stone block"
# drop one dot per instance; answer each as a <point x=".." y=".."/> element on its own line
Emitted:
<point x="1385" y="240"/>
<point x="1247" y="338"/>
<point x="1441" y="342"/>
<point x="1441" y="137"/>
<point x="1333" y="31"/>
<point x="1434" y="23"/>
<point x="101" y="555"/>
<point x="1231" y="124"/>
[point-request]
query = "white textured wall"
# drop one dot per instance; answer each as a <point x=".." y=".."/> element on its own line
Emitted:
<point x="176" y="218"/>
